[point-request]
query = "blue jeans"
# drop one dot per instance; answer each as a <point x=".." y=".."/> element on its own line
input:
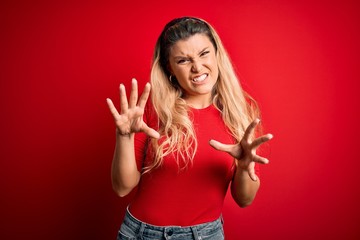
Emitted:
<point x="132" y="229"/>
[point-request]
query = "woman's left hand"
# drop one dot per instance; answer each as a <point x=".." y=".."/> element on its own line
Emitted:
<point x="245" y="150"/>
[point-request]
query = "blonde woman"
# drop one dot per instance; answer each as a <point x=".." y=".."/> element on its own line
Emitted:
<point x="183" y="148"/>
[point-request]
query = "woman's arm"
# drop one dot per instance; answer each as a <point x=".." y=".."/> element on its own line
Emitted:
<point x="243" y="188"/>
<point x="245" y="183"/>
<point x="124" y="173"/>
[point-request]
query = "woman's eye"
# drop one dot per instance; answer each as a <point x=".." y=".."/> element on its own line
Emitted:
<point x="181" y="61"/>
<point x="204" y="53"/>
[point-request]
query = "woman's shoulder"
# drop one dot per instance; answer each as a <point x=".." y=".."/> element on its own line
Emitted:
<point x="150" y="115"/>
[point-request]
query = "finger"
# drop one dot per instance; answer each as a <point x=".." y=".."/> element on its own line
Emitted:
<point x="260" y="159"/>
<point x="220" y="146"/>
<point x="251" y="171"/>
<point x="232" y="149"/>
<point x="112" y="108"/>
<point x="150" y="132"/>
<point x="257" y="142"/>
<point x="144" y="96"/>
<point x="250" y="129"/>
<point x="133" y="94"/>
<point x="123" y="99"/>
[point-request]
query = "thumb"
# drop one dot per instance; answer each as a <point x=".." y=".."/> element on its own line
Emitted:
<point x="150" y="131"/>
<point x="232" y="149"/>
<point x="221" y="146"/>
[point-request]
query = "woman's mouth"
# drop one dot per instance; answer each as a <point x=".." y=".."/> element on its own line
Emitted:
<point x="200" y="78"/>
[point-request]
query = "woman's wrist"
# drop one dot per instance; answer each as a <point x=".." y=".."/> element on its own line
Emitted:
<point x="120" y="135"/>
<point x="241" y="167"/>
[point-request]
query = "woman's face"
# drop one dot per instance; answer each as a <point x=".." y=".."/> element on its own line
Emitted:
<point x="193" y="62"/>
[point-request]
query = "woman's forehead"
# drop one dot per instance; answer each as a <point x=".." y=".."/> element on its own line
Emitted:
<point x="191" y="45"/>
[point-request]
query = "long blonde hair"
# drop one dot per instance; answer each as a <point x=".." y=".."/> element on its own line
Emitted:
<point x="238" y="109"/>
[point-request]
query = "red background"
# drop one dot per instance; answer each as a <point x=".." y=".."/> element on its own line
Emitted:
<point x="61" y="59"/>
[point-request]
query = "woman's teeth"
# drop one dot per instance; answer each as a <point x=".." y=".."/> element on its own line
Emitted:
<point x="200" y="78"/>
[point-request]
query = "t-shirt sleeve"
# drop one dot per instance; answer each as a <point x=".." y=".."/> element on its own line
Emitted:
<point x="141" y="139"/>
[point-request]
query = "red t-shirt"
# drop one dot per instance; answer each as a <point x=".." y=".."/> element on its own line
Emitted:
<point x="169" y="196"/>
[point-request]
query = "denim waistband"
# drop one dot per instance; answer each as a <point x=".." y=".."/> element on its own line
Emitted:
<point x="196" y="232"/>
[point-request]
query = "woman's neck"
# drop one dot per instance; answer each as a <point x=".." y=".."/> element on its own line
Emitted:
<point x="198" y="103"/>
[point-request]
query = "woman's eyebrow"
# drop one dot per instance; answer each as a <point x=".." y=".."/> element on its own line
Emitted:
<point x="206" y="48"/>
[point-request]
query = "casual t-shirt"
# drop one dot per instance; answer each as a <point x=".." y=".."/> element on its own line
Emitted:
<point x="170" y="196"/>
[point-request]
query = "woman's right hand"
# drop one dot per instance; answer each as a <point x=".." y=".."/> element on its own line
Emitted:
<point x="130" y="118"/>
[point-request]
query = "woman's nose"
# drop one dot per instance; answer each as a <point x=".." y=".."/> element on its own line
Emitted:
<point x="196" y="66"/>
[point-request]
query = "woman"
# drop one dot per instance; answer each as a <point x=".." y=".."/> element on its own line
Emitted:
<point x="167" y="148"/>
